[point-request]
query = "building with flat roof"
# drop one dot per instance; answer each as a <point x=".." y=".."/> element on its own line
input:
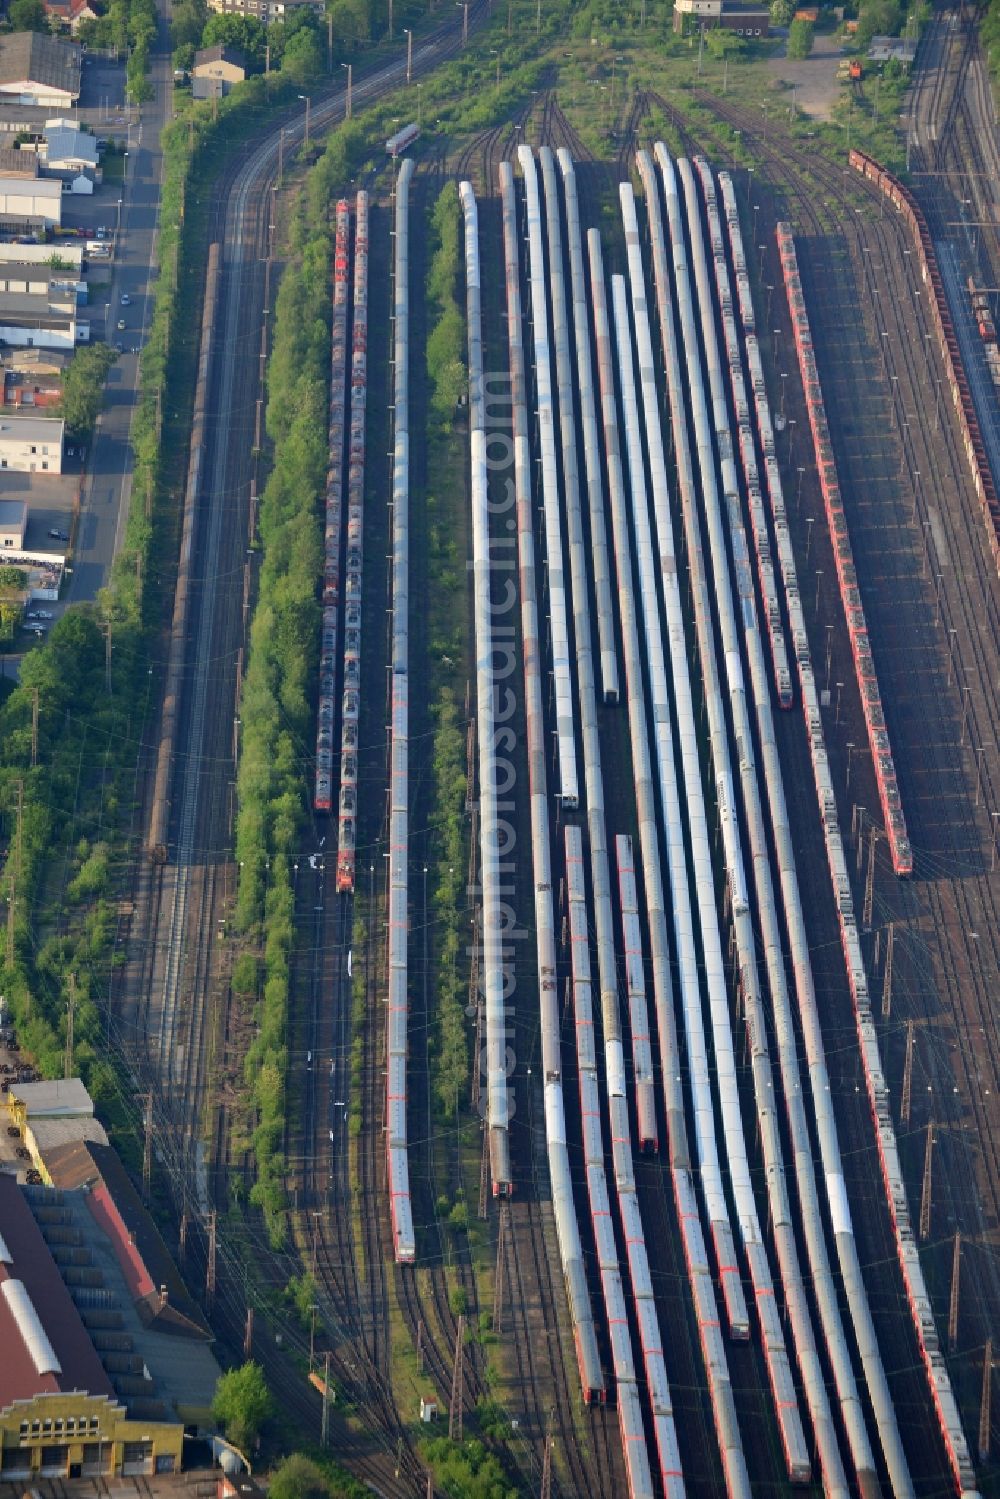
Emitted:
<point x="30" y="444"/>
<point x="23" y="199"/>
<point x="64" y="254"/>
<point x="13" y="524"/>
<point x="745" y="20"/>
<point x="17" y="163"/>
<point x="39" y="69"/>
<point x="61" y="1097"/>
<point x="43" y="1137"/>
<point x="29" y="279"/>
<point x="63" y="1414"/>
<point x="42" y="322"/>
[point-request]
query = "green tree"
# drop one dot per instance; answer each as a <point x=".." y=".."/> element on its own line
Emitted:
<point x="800" y="39"/>
<point x="83" y="387"/>
<point x="782" y="12"/>
<point x="187" y="22"/>
<point x="303" y="60"/>
<point x="877" y="18"/>
<point x="245" y="32"/>
<point x="242" y="1404"/>
<point x="722" y="43"/>
<point x="298" y="1477"/>
<point x="28" y="15"/>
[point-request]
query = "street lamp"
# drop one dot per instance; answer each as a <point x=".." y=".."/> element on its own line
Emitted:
<point x="118" y="220"/>
<point x="350" y="79"/>
<point x="307" y="103"/>
<point x="408" y="33"/>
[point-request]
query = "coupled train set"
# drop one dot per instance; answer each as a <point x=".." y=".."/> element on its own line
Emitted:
<point x="654" y="379"/>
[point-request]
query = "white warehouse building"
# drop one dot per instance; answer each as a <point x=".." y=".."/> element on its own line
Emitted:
<point x="30" y="444"/>
<point x="26" y="198"/>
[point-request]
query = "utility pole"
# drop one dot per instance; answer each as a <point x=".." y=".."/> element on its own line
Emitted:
<point x="887" y="976"/>
<point x="904" y="1112"/>
<point x="248" y="1334"/>
<point x="70" y="1016"/>
<point x="956" y="1276"/>
<point x="925" y="1190"/>
<point x="16" y="875"/>
<point x="484" y="1172"/>
<point x="324" y="1430"/>
<point x="329" y="44"/>
<point x="182" y="1243"/>
<point x="455" y="1409"/>
<point x="498" y="1277"/>
<point x="409" y="54"/>
<point x="210" y="1264"/>
<point x="546" y="1491"/>
<point x="315" y="1236"/>
<point x="147" y="1144"/>
<point x="866" y="915"/>
<point x="391" y="7"/>
<point x="984" y="1404"/>
<point x="312" y="1336"/>
<point x="420" y="1343"/>
<point x="34" y="726"/>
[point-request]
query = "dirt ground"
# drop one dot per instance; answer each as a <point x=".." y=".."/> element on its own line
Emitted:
<point x="814" y="79"/>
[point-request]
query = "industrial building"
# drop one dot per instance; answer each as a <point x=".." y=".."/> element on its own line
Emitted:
<point x="31" y="444"/>
<point x="745" y="20"/>
<point x="30" y="200"/>
<point x="40" y="70"/>
<point x="42" y="322"/>
<point x="60" y="1412"/>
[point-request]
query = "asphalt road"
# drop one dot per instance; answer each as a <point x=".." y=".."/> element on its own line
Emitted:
<point x="105" y="498"/>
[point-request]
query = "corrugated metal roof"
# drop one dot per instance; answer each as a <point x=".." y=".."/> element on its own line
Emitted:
<point x="28" y="56"/>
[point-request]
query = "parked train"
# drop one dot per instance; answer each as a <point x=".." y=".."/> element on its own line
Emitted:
<point x="397" y="1025"/>
<point x="808" y="1180"/>
<point x="333" y="522"/>
<point x="983" y="477"/>
<point x="347" y="828"/>
<point x="614" y="350"/>
<point x="693" y="371"/>
<point x="884" y="767"/>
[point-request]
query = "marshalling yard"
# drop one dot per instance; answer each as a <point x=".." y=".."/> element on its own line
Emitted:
<point x="731" y="548"/>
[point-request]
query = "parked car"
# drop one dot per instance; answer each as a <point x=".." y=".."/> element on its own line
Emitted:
<point x="121" y="325"/>
<point x="44" y="614"/>
<point x="126" y="299"/>
<point x="58" y="535"/>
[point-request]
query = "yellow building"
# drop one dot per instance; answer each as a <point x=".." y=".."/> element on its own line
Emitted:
<point x="74" y="1435"/>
